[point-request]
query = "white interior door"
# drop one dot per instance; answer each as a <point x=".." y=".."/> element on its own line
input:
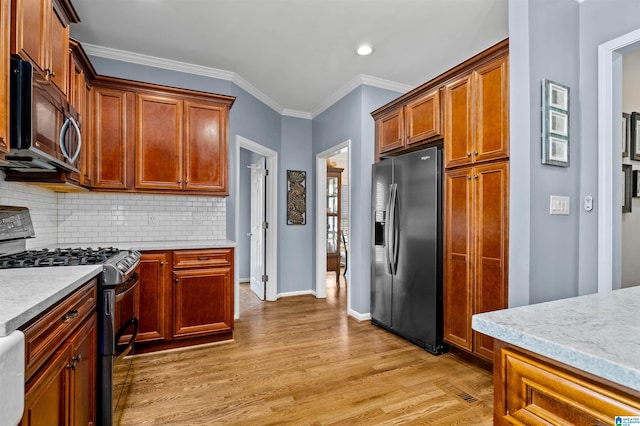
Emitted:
<point x="257" y="231"/>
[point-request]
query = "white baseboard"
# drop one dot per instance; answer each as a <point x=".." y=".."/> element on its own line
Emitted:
<point x="244" y="280"/>
<point x="359" y="316"/>
<point x="296" y="293"/>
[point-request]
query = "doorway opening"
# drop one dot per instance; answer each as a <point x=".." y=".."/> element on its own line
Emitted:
<point x="609" y="165"/>
<point x="257" y="255"/>
<point x="333" y="205"/>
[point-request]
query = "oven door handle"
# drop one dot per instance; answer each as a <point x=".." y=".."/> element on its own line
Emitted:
<point x="123" y="349"/>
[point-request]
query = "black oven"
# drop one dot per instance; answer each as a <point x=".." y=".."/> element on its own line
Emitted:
<point x="119" y="329"/>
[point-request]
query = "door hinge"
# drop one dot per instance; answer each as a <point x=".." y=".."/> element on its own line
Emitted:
<point x="265" y="278"/>
<point x="265" y="225"/>
<point x="266" y="172"/>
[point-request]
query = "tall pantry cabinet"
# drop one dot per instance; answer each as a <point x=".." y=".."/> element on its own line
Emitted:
<point x="476" y="200"/>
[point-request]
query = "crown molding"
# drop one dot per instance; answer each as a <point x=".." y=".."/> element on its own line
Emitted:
<point x="359" y="80"/>
<point x="157" y="62"/>
<point x="168" y="64"/>
<point x="296" y="114"/>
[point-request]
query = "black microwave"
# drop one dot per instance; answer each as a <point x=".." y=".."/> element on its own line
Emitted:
<point x="44" y="129"/>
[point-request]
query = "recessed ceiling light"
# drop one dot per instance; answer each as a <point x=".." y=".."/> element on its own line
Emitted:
<point x="364" y="50"/>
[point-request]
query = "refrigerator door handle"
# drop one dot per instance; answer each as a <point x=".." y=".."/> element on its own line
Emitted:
<point x="395" y="229"/>
<point x="393" y="240"/>
<point x="387" y="237"/>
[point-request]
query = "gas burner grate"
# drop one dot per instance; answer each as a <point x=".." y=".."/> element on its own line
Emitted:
<point x="58" y="257"/>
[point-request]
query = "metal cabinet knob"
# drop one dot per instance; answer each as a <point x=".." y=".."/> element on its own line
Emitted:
<point x="468" y="154"/>
<point x="475" y="152"/>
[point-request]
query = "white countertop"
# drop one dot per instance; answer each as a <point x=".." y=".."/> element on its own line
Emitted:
<point x="598" y="333"/>
<point x="26" y="293"/>
<point x="163" y="245"/>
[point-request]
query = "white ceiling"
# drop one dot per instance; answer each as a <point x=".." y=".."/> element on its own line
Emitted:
<point x="298" y="56"/>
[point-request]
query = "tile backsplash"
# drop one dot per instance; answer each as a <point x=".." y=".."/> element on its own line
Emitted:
<point x="43" y="209"/>
<point x="110" y="217"/>
<point x="100" y="217"/>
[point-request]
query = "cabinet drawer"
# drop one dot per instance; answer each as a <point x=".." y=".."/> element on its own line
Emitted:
<point x="43" y="336"/>
<point x="202" y="258"/>
<point x="537" y="393"/>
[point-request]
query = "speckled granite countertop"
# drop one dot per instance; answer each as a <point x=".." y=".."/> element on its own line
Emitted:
<point x="26" y="293"/>
<point x="598" y="333"/>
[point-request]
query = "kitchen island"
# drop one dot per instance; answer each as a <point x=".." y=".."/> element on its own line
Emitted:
<point x="575" y="360"/>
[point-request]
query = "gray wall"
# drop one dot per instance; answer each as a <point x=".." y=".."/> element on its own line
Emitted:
<point x="350" y="118"/>
<point x="552" y="257"/>
<point x="296" y="252"/>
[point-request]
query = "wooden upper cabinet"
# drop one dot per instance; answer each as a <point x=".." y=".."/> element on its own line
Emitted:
<point x="477" y="115"/>
<point x="390" y="131"/>
<point x="41" y="36"/>
<point x="422" y="117"/>
<point x="157" y="139"/>
<point x="416" y="121"/>
<point x="181" y="145"/>
<point x="113" y="115"/>
<point x="206" y="147"/>
<point x="159" y="163"/>
<point x="492" y="110"/>
<point x="5" y="25"/>
<point x="458" y="125"/>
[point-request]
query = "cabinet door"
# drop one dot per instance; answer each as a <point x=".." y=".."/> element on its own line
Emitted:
<point x="84" y="360"/>
<point x="46" y="400"/>
<point x="206" y="147"/>
<point x="30" y="26"/>
<point x="112" y="113"/>
<point x="58" y="51"/>
<point x="5" y="15"/>
<point x="423" y="117"/>
<point x="390" y="131"/>
<point x="155" y="273"/>
<point x="492" y="111"/>
<point x="76" y="96"/>
<point x="458" y="134"/>
<point x="491" y="187"/>
<point x="202" y="301"/>
<point x="458" y="258"/>
<point x="158" y="143"/>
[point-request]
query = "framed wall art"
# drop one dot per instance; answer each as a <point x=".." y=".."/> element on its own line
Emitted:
<point x="625" y="134"/>
<point x="635" y="136"/>
<point x="636" y="183"/>
<point x="296" y="197"/>
<point x="555" y="124"/>
<point x="627" y="183"/>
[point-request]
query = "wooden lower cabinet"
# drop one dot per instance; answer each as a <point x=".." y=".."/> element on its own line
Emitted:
<point x="63" y="391"/>
<point x="186" y="298"/>
<point x="532" y="390"/>
<point x="476" y="215"/>
<point x="202" y="301"/>
<point x="155" y="276"/>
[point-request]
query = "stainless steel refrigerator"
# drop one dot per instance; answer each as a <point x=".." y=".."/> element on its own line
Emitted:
<point x="406" y="247"/>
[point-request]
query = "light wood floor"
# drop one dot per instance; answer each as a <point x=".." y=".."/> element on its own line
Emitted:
<point x="302" y="361"/>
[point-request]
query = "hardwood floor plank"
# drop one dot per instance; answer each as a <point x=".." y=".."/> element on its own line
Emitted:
<point x="302" y="361"/>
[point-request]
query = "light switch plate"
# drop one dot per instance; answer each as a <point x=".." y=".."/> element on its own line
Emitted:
<point x="559" y="205"/>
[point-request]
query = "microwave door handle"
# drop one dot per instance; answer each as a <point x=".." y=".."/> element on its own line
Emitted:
<point x="63" y="134"/>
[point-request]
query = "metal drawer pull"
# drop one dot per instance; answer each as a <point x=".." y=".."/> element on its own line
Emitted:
<point x="74" y="361"/>
<point x="70" y="315"/>
<point x="203" y="258"/>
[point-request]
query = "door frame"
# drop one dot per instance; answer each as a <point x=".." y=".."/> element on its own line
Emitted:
<point x="321" y="218"/>
<point x="609" y="60"/>
<point x="271" y="241"/>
